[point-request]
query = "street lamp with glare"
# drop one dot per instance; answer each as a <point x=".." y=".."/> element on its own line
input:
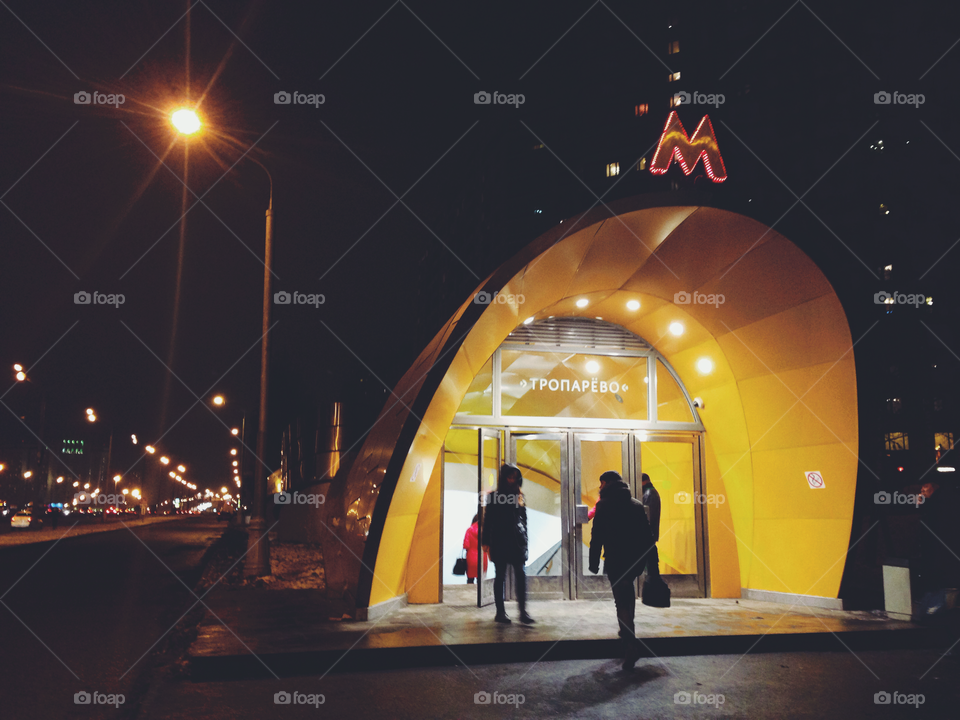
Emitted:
<point x="218" y="400"/>
<point x="185" y="121"/>
<point x="182" y="468"/>
<point x="165" y="460"/>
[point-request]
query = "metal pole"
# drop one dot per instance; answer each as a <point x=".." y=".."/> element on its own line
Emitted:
<point x="257" y="561"/>
<point x="243" y="451"/>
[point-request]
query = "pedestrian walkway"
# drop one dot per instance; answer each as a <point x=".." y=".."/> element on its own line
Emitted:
<point x="255" y="632"/>
<point x="68" y="529"/>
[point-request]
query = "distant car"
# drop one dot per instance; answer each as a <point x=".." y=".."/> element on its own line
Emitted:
<point x="25" y="520"/>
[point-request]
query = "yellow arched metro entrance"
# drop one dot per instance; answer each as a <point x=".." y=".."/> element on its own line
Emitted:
<point x="778" y="394"/>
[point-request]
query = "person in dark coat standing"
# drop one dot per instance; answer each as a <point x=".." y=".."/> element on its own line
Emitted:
<point x="505" y="537"/>
<point x="622" y="533"/>
<point x="651" y="501"/>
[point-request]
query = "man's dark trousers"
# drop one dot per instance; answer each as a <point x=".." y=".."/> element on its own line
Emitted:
<point x="625" y="597"/>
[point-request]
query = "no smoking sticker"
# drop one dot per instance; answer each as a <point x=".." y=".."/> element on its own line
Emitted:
<point x="814" y="480"/>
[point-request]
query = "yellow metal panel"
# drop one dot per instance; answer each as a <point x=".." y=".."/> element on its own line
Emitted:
<point x="802" y="555"/>
<point x="736" y="469"/>
<point x="722" y="544"/>
<point x="423" y="571"/>
<point x="622" y="245"/>
<point x="810" y="334"/>
<point x="390" y="570"/>
<point x="811" y="412"/>
<point x="545" y="280"/>
<point x="754" y="287"/>
<point x="782" y="491"/>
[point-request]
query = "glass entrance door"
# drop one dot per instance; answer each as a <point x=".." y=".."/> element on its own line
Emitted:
<point x="673" y="465"/>
<point x="593" y="455"/>
<point x="488" y="470"/>
<point x="542" y="459"/>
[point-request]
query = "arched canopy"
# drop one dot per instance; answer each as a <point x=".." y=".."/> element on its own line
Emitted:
<point x="779" y="398"/>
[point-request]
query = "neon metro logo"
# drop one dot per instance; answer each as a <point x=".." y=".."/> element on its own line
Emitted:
<point x="674" y="143"/>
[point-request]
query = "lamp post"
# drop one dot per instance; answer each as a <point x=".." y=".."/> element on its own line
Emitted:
<point x="220" y="402"/>
<point x="42" y="458"/>
<point x="257" y="559"/>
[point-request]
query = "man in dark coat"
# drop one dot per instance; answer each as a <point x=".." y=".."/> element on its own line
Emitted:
<point x="622" y="533"/>
<point x="505" y="535"/>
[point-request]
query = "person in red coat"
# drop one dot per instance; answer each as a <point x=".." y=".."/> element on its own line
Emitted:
<point x="470" y="543"/>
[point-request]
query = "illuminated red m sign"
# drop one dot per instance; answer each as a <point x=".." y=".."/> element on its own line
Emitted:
<point x="688" y="151"/>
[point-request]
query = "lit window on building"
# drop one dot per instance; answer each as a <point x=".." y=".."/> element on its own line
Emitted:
<point x="884" y="210"/>
<point x="894" y="405"/>
<point x="675" y="101"/>
<point x="929" y="300"/>
<point x="642" y="164"/>
<point x="887" y="272"/>
<point x="538" y="146"/>
<point x="639" y="110"/>
<point x="613" y="169"/>
<point x="943" y="441"/>
<point x="673" y="47"/>
<point x="673" y="77"/>
<point x="894" y="442"/>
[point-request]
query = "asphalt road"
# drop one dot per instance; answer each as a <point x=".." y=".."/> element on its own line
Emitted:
<point x="827" y="685"/>
<point x="85" y="615"/>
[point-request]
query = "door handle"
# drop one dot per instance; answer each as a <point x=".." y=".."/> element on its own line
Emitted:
<point x="583" y="514"/>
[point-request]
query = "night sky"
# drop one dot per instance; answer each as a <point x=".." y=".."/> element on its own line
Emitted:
<point x="90" y="207"/>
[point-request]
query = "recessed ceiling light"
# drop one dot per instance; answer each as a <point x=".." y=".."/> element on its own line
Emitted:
<point x="633" y="305"/>
<point x="676" y="329"/>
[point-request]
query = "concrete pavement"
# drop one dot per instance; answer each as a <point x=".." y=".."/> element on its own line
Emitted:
<point x="259" y="633"/>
